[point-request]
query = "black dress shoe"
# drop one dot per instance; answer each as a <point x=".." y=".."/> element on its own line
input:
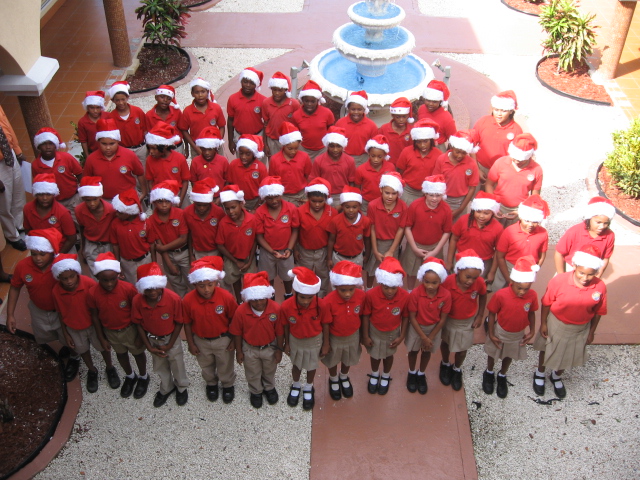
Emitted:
<point x="212" y="392"/>
<point x="347" y="392"/>
<point x="446" y="372"/>
<point x="412" y="382"/>
<point x="18" y="245"/>
<point x="92" y="381"/>
<point x="502" y="389"/>
<point x="538" y="389"/>
<point x="292" y="400"/>
<point x="334" y="393"/>
<point x="182" y="397"/>
<point x="308" y="404"/>
<point x="256" y="400"/>
<point x="64" y="353"/>
<point x="127" y="386"/>
<point x="456" y="380"/>
<point x="488" y="382"/>
<point x="272" y="396"/>
<point x="71" y="370"/>
<point x="371" y="388"/>
<point x="141" y="387"/>
<point x="228" y="394"/>
<point x="422" y="384"/>
<point x="383" y="389"/>
<point x="560" y="392"/>
<point x="161" y="399"/>
<point x="112" y="377"/>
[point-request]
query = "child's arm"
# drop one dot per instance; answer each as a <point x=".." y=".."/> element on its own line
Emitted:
<point x="543" y="257"/>
<point x="187" y="138"/>
<point x="453" y="246"/>
<point x="69" y="242"/>
<point x="367" y="249"/>
<point x="231" y="130"/>
<point x="143" y="335"/>
<point x="225" y="253"/>
<point x="374" y="244"/>
<point x="188" y="333"/>
<point x="267" y="248"/>
<point x="144" y="188"/>
<point x="489" y="186"/>
<point x="492" y="330"/>
<point x="287" y="343"/>
<point x="292" y="242"/>
<point x="467" y="198"/>
<point x="501" y="263"/>
<point x="364" y="331"/>
<point x="172" y="340"/>
<point x="532" y="328"/>
<point x="14" y="294"/>
<point x="412" y="243"/>
<point x="403" y="333"/>
<point x="244" y="266"/>
<point x="605" y="264"/>
<point x="192" y="254"/>
<point x="85" y="148"/>
<point x="544" y="315"/>
<point x="70" y="343"/>
<point x="592" y="330"/>
<point x="267" y="150"/>
<point x="437" y="328"/>
<point x="172" y="245"/>
<point x="183" y="190"/>
<point x="426" y="341"/>
<point x="149" y="184"/>
<point x="237" y="340"/>
<point x="396" y="242"/>
<point x="279" y="348"/>
<point x="330" y="243"/>
<point x="81" y="256"/>
<point x="168" y="264"/>
<point x="481" y="304"/>
<point x="326" y="346"/>
<point x="439" y="246"/>
<point x="558" y="259"/>
<point x="491" y="274"/>
<point x="99" y="332"/>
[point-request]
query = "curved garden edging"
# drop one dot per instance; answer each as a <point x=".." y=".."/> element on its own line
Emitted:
<point x="185" y="54"/>
<point x="629" y="219"/>
<point x="518" y="10"/>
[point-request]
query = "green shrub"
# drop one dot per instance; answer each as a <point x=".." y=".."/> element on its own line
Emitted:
<point x="163" y="23"/>
<point x="624" y="162"/>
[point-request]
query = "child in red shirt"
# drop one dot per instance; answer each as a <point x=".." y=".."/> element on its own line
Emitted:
<point x="93" y="104"/>
<point x="202" y="218"/>
<point x="246" y="172"/>
<point x="345" y="305"/>
<point x="312" y="119"/>
<point x="244" y="108"/>
<point x="398" y="130"/>
<point x="209" y="164"/>
<point x="130" y="121"/>
<point x="357" y="127"/>
<point x="349" y="231"/>
<point x="276" y="109"/>
<point x="435" y="108"/>
<point x="292" y="165"/>
<point x="166" y="110"/>
<point x="368" y="174"/>
<point x="335" y="166"/>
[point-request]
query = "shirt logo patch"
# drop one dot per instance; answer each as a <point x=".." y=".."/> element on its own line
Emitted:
<point x="257" y="109"/>
<point x="468" y="172"/>
<point x="292" y="320"/>
<point x="284" y="219"/>
<point x="359" y="237"/>
<point x="395" y="311"/>
<point x="531" y="177"/>
<point x="28" y="278"/>
<point x="53" y="219"/>
<point x="440" y="305"/>
<point x="212" y="121"/>
<point x="249" y="232"/>
<point x="290" y="115"/>
<point x="164" y="316"/>
<point x="527" y="306"/>
<point x="137" y="121"/>
<point x="174" y="170"/>
<point x="61" y="169"/>
<point x="219" y="309"/>
<point x="474" y="294"/>
<point x="123" y="169"/>
<point x="596" y="296"/>
<point x="510" y="136"/>
<point x="142" y="233"/>
<point x="123" y="304"/>
<point x="357" y="309"/>
<point x="173" y="124"/>
<point x="273" y="317"/>
<point x="407" y="137"/>
<point x="175" y="222"/>
<point x="395" y="215"/>
<point x="255" y="175"/>
<point x="213" y="222"/>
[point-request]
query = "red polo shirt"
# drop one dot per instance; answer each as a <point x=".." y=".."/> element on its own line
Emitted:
<point x="246" y="112"/>
<point x="368" y="178"/>
<point x="513" y="187"/>
<point x="133" y="237"/>
<point x="386" y="223"/>
<point x="72" y="306"/>
<point x="459" y="177"/>
<point x="114" y="307"/>
<point x="294" y="173"/>
<point x="132" y="129"/>
<point x="209" y="318"/>
<point x="39" y="283"/>
<point x="216" y="169"/>
<point x="95" y="230"/>
<point x="277" y="231"/>
<point x="338" y="173"/>
<point x="427" y="225"/>
<point x="174" y="167"/>
<point x="515" y="243"/>
<point x="444" y="120"/>
<point x="66" y="170"/>
<point x="572" y="304"/>
<point x="512" y="311"/>
<point x="577" y="237"/>
<point x="254" y="330"/>
<point x="159" y="320"/>
<point x="304" y="322"/>
<point x="203" y="230"/>
<point x="482" y="240"/>
<point x="194" y="121"/>
<point x="494" y="139"/>
<point x="273" y="115"/>
<point x="118" y="174"/>
<point x="247" y="178"/>
<point x="397" y="141"/>
<point x="313" y="233"/>
<point x="358" y="134"/>
<point x="349" y="236"/>
<point x="313" y="127"/>
<point x="87" y="129"/>
<point x="172" y="119"/>
<point x="428" y="310"/>
<point x="345" y="315"/>
<point x="414" y="167"/>
<point x="167" y="231"/>
<point x="464" y="304"/>
<point x="386" y="315"/>
<point x="237" y="239"/>
<point x="58" y="218"/>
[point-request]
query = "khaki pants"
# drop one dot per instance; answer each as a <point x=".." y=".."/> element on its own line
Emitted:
<point x="360" y="159"/>
<point x="70" y="204"/>
<point x="130" y="268"/>
<point x="216" y="361"/>
<point x="179" y="283"/>
<point x="259" y="367"/>
<point x="506" y="222"/>
<point x="296" y="198"/>
<point x="274" y="266"/>
<point x="45" y="325"/>
<point x="12" y="201"/>
<point x="313" y="153"/>
<point x="84" y="339"/>
<point x="199" y="255"/>
<point x="316" y="261"/>
<point x="170" y="369"/>
<point x="91" y="252"/>
<point x="358" y="259"/>
<point x="274" y="145"/>
<point x="410" y="195"/>
<point x="125" y="340"/>
<point x="232" y="272"/>
<point x="142" y="153"/>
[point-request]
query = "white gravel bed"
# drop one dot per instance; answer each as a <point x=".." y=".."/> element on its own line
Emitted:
<point x="461" y="8"/>
<point x="593" y="433"/>
<point x="264" y="6"/>
<point x="130" y="439"/>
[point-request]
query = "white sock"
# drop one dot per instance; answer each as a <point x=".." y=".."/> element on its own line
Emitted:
<point x="413" y="372"/>
<point x="539" y="373"/>
<point x="343" y="376"/>
<point x="133" y="375"/>
<point x="539" y="378"/>
<point x="490" y="372"/>
<point x="385" y="380"/>
<point x="306" y="391"/>
<point x="445" y="364"/>
<point x="556" y="379"/>
<point x="77" y="357"/>
<point x="501" y="375"/>
<point x="420" y="374"/>
<point x="374" y="378"/>
<point x="143" y="377"/>
<point x="334" y="383"/>
<point x="456" y="369"/>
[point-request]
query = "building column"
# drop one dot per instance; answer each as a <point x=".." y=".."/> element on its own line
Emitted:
<point x="118" y="36"/>
<point x="35" y="111"/>
<point x="616" y="37"/>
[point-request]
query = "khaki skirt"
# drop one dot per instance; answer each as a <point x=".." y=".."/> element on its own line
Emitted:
<point x="410" y="195"/>
<point x="414" y="343"/>
<point x="458" y="334"/>
<point x="411" y="263"/>
<point x="381" y="341"/>
<point x="566" y="345"/>
<point x="510" y="345"/>
<point x="345" y="350"/>
<point x="373" y="263"/>
<point x="305" y="352"/>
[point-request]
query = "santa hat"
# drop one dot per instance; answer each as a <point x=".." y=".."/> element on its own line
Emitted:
<point x="533" y="209"/>
<point x="393" y="180"/>
<point x="46" y="240"/>
<point x="350" y="194"/>
<point x="270" y="186"/>
<point x="64" y="262"/>
<point x="320" y="185"/>
<point x="360" y="97"/>
<point x="90" y="187"/>
<point x="210" y="137"/>
<point x="94" y="98"/>
<point x="305" y="281"/>
<point x="201" y="82"/>
<point x="289" y="133"/>
<point x="434" y="184"/>
<point x="600" y="206"/>
<point x="378" y="141"/>
<point x="312" y="89"/>
<point x="210" y="268"/>
<point x="129" y="203"/>
<point x="280" y="80"/>
<point x="588" y="256"/>
<point x="432" y="264"/>
<point x="119" y="87"/>
<point x="107" y="128"/>
<point x="505" y="101"/>
<point x="437" y="91"/>
<point x="169" y="91"/>
<point x="166" y="190"/>
<point x="257" y="287"/>
<point x="485" y="201"/>
<point x="253" y="143"/>
<point x="231" y="193"/>
<point x="163" y="134"/>
<point x="425" y="129"/>
<point x="203" y="190"/>
<point x="468" y="259"/>
<point x="346" y="273"/>
<point x="47" y="134"/>
<point x="150" y="276"/>
<point x="522" y="147"/>
<point x="335" y="135"/>
<point x="466" y="140"/>
<point x="253" y="75"/>
<point x="524" y="270"/>
<point x="390" y="273"/>
<point x="45" y="183"/>
<point x="402" y="106"/>
<point x="106" y="261"/>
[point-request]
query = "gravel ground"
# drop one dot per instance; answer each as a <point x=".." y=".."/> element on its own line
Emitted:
<point x="459" y="8"/>
<point x="263" y="6"/>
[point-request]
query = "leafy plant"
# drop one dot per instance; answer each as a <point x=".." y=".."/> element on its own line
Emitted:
<point x="82" y="158"/>
<point x="163" y="24"/>
<point x="623" y="163"/>
<point x="569" y="34"/>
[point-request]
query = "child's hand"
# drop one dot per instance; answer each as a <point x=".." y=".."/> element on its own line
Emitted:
<point x="11" y="323"/>
<point x="81" y="257"/>
<point x="173" y="270"/>
<point x="192" y="258"/>
<point x="121" y="276"/>
<point x="420" y="253"/>
<point x="278" y="256"/>
<point x="367" y="342"/>
<point x="448" y="265"/>
<point x="231" y="347"/>
<point x="496" y="341"/>
<point x="278" y="356"/>
<point x="296" y="256"/>
<point x="198" y="151"/>
<point x="396" y="342"/>
<point x="329" y="263"/>
<point x="491" y="276"/>
<point x="286" y="254"/>
<point x="239" y="357"/>
<point x="232" y="147"/>
<point x="287" y="350"/>
<point x="478" y="321"/>
<point x="379" y="256"/>
<point x="590" y="337"/>
<point x="157" y="351"/>
<point x="267" y="150"/>
<point x="427" y="344"/>
<point x="527" y="338"/>
<point x="544" y="330"/>
<point x="70" y="342"/>
<point x="456" y="212"/>
<point x="244" y="266"/>
<point x="105" y="345"/>
<point x="326" y="348"/>
<point x="193" y="349"/>
<point x="160" y="248"/>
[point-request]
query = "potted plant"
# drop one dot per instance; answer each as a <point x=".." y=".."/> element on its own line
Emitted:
<point x="530" y="7"/>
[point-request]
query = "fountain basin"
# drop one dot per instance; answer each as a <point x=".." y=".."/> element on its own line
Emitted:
<point x="359" y="14"/>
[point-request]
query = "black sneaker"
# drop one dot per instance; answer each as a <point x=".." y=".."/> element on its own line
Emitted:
<point x="371" y="388"/>
<point x="502" y="389"/>
<point x="308" y="404"/>
<point x="92" y="381"/>
<point x="412" y="382"/>
<point x="347" y="392"/>
<point x="456" y="380"/>
<point x="560" y="392"/>
<point x="127" y="386"/>
<point x="488" y="382"/>
<point x="446" y="372"/>
<point x="272" y="396"/>
<point x="212" y="392"/>
<point x="161" y="399"/>
<point x="256" y="400"/>
<point x="335" y="394"/>
<point x="292" y="400"/>
<point x="383" y="389"/>
<point x="182" y="397"/>
<point x="538" y="389"/>
<point x="71" y="370"/>
<point x="228" y="394"/>
<point x="422" y="384"/>
<point x="141" y="387"/>
<point x="112" y="377"/>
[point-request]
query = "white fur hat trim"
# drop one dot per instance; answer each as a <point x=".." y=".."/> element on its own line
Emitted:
<point x="199" y="82"/>
<point x="485" y="204"/>
<point x="359" y="100"/>
<point x="434" y="187"/>
<point x="432" y="266"/>
<point x="48" y="137"/>
<point x="251" y="145"/>
<point x="278" y="83"/>
<point x="373" y="144"/>
<point x="251" y="75"/>
<point x="424" y="133"/>
<point x="469" y="262"/>
<point x="389" y="279"/>
<point x="257" y="293"/>
<point x="503" y="103"/>
<point x="122" y="208"/>
<point x="112" y="265"/>
<point x="312" y="93"/>
<point x="112" y="134"/>
<point x="152" y="281"/>
<point x="120" y="88"/>
<point x="520" y="155"/>
<point x="434" y="94"/>
<point x="201" y="197"/>
<point x="462" y="144"/>
<point x="529" y="214"/>
<point x="164" y="194"/>
<point x="45" y="187"/>
<point x="303" y="288"/>
<point x="90" y="191"/>
<point x="350" y="197"/>
<point x="393" y="182"/>
<point x="274" y="190"/>
<point x="600" y="208"/>
<point x="204" y="274"/>
<point x="64" y="265"/>
<point x="524" y="277"/>
<point x="399" y="110"/>
<point x="338" y="280"/>
<point x="320" y="189"/>
<point x="39" y="244"/>
<point x="583" y="259"/>
<point x="290" y="138"/>
<point x="230" y="196"/>
<point x="335" y="138"/>
<point x="94" y="101"/>
<point x="209" y="142"/>
<point x="164" y="91"/>
<point x="152" y="139"/>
